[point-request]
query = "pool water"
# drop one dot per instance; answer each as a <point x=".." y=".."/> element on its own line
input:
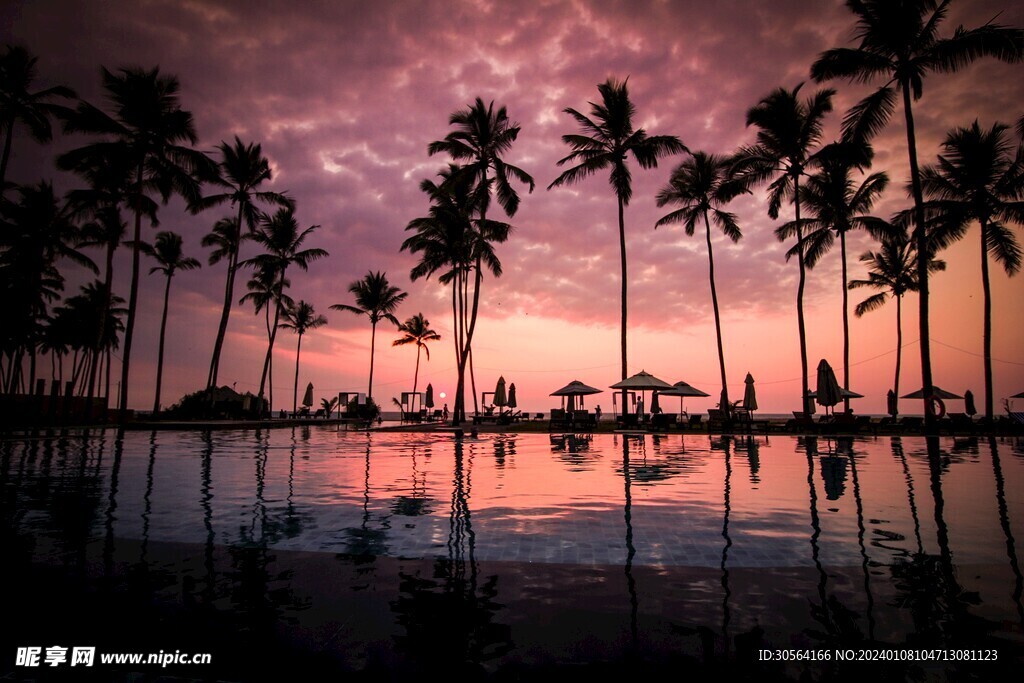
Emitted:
<point x="381" y="555"/>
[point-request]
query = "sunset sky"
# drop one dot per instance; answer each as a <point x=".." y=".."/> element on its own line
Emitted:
<point x="346" y="96"/>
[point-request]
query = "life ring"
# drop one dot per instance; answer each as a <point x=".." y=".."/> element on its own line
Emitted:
<point x="936" y="408"/>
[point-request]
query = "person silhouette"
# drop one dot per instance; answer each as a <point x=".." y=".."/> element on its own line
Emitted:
<point x="597" y="413"/>
<point x="445" y="413"/>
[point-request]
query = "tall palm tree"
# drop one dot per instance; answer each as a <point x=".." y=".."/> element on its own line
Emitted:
<point x="702" y="185"/>
<point x="838" y="204"/>
<point x="167" y="250"/>
<point x="266" y="293"/>
<point x="480" y="139"/>
<point x="243" y="168"/>
<point x="40" y="230"/>
<point x="893" y="271"/>
<point x="980" y="177"/>
<point x="416" y="330"/>
<point x="150" y="127"/>
<point x="788" y="131"/>
<point x="279" y="235"/>
<point x="377" y="299"/>
<point x="606" y="139"/>
<point x="300" y="318"/>
<point x="448" y="240"/>
<point x="899" y="42"/>
<point x="19" y="105"/>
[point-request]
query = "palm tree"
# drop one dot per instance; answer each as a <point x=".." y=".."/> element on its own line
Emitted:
<point x="377" y="299"/>
<point x="607" y="138"/>
<point x="148" y="126"/>
<point x="300" y="318"/>
<point x="243" y="168"/>
<point x="19" y="105"/>
<point x="170" y="259"/>
<point x="839" y="205"/>
<point x="416" y="330"/>
<point x="899" y="41"/>
<point x="892" y="271"/>
<point x="788" y="130"/>
<point x="980" y="177"/>
<point x="266" y="292"/>
<point x="279" y="235"/>
<point x="701" y="185"/>
<point x="40" y="230"/>
<point x="480" y="139"/>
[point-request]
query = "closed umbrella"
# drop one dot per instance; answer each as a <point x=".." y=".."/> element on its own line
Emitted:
<point x="512" y="396"/>
<point x="749" y="395"/>
<point x="500" y="398"/>
<point x="307" y="398"/>
<point x="655" y="406"/>
<point x="828" y="392"/>
<point x="429" y="400"/>
<point x="969" y="406"/>
<point x="890" y="403"/>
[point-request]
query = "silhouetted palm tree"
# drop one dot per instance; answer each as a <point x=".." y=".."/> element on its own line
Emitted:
<point x="701" y="185"/>
<point x="899" y="42"/>
<point x="148" y="126"/>
<point x="40" y="230"/>
<point x="893" y="271"/>
<point x="480" y="139"/>
<point x="19" y="105"/>
<point x="170" y="259"/>
<point x="607" y="139"/>
<point x="416" y="330"/>
<point x="980" y="177"/>
<point x="243" y="168"/>
<point x="266" y="293"/>
<point x="279" y="235"/>
<point x="838" y="204"/>
<point x="377" y="299"/>
<point x="300" y="318"/>
<point x="788" y="131"/>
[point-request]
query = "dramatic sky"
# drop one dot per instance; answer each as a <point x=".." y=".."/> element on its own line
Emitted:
<point x="346" y="96"/>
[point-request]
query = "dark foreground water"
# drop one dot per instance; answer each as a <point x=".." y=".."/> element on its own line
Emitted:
<point x="309" y="553"/>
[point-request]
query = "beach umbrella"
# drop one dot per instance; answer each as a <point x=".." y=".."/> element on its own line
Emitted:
<point x="500" y="398"/>
<point x="828" y="392"/>
<point x="969" y="406"/>
<point x="1020" y="395"/>
<point x="641" y="381"/>
<point x="512" y="396"/>
<point x="655" y="406"/>
<point x="307" y="398"/>
<point x="890" y="403"/>
<point x="573" y="389"/>
<point x="749" y="395"/>
<point x="936" y="391"/>
<point x="429" y="400"/>
<point x="682" y="390"/>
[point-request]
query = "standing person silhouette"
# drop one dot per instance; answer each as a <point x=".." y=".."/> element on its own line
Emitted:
<point x="445" y="414"/>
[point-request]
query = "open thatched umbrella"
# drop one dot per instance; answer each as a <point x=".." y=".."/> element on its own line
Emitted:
<point x="682" y="390"/>
<point x="573" y="389"/>
<point x="641" y="381"/>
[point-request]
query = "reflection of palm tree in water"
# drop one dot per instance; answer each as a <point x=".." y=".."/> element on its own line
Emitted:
<point x="627" y="514"/>
<point x="1004" y="521"/>
<point x="861" y="532"/>
<point x="147" y="508"/>
<point x="111" y="517"/>
<point x="726" y="448"/>
<point x="205" y="501"/>
<point x="897" y="451"/>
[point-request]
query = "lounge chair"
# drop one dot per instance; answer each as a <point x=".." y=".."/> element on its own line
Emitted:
<point x="802" y="423"/>
<point x="696" y="422"/>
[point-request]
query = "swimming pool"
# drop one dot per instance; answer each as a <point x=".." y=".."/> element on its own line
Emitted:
<point x="386" y="554"/>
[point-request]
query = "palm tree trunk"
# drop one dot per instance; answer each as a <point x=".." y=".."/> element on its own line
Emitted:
<point x="622" y="255"/>
<point x="160" y="352"/>
<point x="923" y="258"/>
<point x="295" y="392"/>
<point x="373" y="343"/>
<point x="804" y="385"/>
<point x="714" y="305"/>
<point x="457" y="335"/>
<point x="846" y="323"/>
<point x="987" y="304"/>
<point x="272" y="332"/>
<point x="899" y="351"/>
<point x="416" y="375"/>
<point x="108" y="284"/>
<point x="8" y="133"/>
<point x="133" y="299"/>
<point x="229" y="289"/>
